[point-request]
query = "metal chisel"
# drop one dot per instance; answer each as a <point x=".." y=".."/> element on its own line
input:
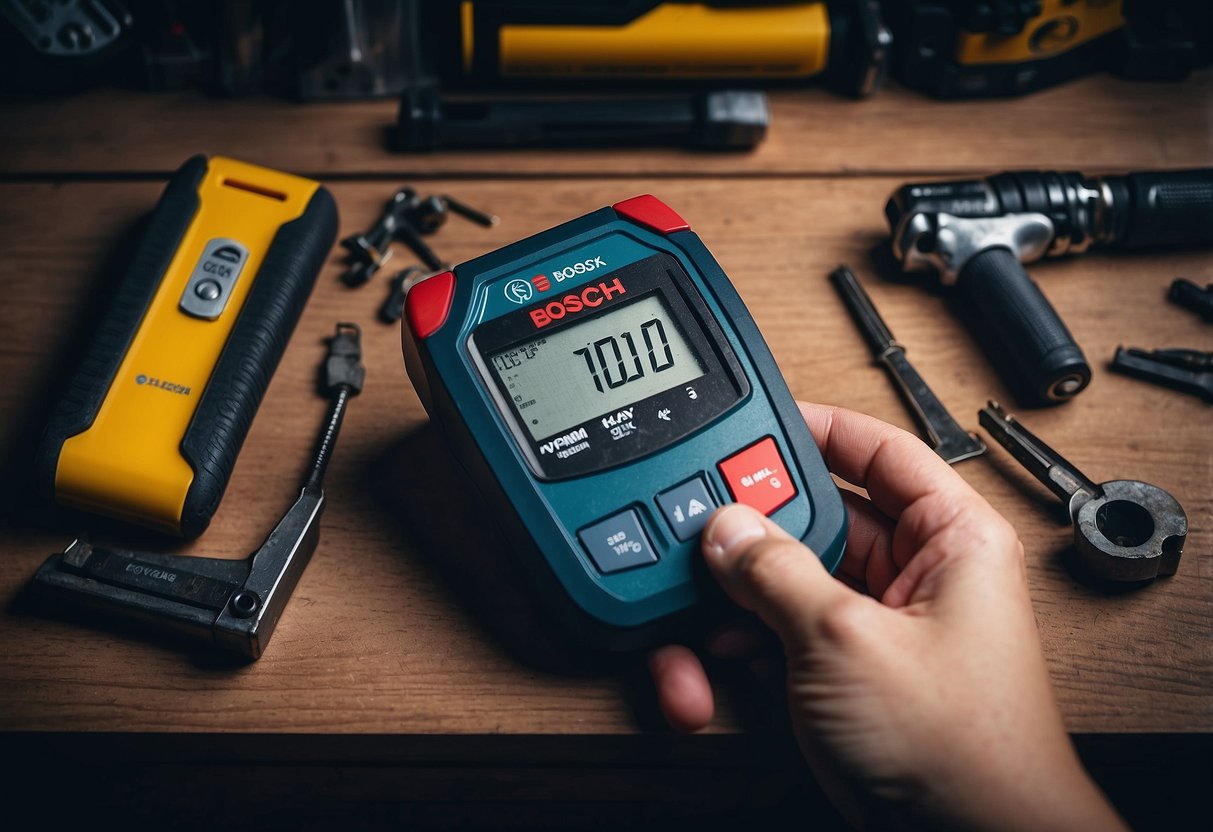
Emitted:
<point x="948" y="439"/>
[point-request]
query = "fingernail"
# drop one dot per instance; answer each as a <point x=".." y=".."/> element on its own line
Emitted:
<point x="729" y="530"/>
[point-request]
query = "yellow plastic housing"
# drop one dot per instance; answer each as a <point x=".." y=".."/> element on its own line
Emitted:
<point x="675" y="40"/>
<point x="128" y="463"/>
<point x="1059" y="27"/>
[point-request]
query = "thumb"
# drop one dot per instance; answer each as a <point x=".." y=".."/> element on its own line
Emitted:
<point x="767" y="571"/>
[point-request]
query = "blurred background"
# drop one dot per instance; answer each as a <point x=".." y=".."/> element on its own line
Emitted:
<point x="359" y="49"/>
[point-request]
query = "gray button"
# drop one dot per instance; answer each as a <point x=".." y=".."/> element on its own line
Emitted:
<point x="215" y="273"/>
<point x="207" y="290"/>
<point x="618" y="542"/>
<point x="687" y="507"/>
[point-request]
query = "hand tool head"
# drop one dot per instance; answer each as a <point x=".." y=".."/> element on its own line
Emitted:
<point x="1124" y="530"/>
<point x="1133" y="531"/>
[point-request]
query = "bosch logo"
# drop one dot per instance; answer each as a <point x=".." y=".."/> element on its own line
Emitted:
<point x="584" y="267"/>
<point x="519" y="291"/>
<point x="587" y="298"/>
<point x="541" y="282"/>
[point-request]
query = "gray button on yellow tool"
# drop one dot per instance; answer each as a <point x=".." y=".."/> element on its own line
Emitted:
<point x="687" y="507"/>
<point x="208" y="290"/>
<point x="215" y="273"/>
<point x="618" y="542"/>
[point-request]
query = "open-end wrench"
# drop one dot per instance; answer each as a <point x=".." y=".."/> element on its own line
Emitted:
<point x="1124" y="530"/>
<point x="944" y="435"/>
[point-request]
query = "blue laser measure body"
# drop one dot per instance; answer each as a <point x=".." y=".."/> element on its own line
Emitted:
<point x="606" y="388"/>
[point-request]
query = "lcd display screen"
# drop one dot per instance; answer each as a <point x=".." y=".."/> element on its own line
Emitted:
<point x="597" y="366"/>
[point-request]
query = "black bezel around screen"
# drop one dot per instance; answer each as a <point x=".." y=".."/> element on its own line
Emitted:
<point x="721" y="386"/>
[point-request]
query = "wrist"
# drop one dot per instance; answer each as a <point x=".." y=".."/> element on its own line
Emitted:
<point x="1051" y="791"/>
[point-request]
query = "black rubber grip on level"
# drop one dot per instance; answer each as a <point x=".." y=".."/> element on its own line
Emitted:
<point x="1023" y="326"/>
<point x="273" y="306"/>
<point x="1169" y="209"/>
<point x="76" y="407"/>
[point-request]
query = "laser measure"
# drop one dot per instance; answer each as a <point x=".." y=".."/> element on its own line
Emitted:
<point x="606" y="388"/>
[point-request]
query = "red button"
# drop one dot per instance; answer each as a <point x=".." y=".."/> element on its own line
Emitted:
<point x="758" y="477"/>
<point x="651" y="212"/>
<point x="428" y="303"/>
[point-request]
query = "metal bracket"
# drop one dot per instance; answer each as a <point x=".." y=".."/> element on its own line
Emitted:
<point x="945" y="243"/>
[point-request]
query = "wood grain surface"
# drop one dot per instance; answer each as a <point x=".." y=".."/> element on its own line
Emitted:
<point x="1098" y="123"/>
<point x="389" y="631"/>
<point x="410" y="643"/>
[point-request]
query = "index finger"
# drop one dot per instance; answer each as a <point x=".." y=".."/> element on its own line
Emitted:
<point x="895" y="466"/>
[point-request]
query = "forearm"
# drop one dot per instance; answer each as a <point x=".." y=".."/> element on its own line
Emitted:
<point x="1050" y="792"/>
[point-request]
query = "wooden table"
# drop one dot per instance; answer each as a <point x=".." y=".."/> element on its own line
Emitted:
<point x="389" y="685"/>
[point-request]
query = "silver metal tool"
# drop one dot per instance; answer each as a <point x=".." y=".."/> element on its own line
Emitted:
<point x="233" y="605"/>
<point x="1124" y="530"/>
<point x="976" y="235"/>
<point x="944" y="435"/>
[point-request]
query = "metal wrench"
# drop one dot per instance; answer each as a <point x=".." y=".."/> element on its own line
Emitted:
<point x="944" y="435"/>
<point x="1124" y="530"/>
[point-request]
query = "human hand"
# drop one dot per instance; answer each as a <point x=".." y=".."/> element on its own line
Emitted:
<point x="927" y="697"/>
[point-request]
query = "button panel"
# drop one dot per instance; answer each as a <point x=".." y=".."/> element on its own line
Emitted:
<point x="687" y="507"/>
<point x="758" y="477"/>
<point x="618" y="542"/>
<point x="214" y="275"/>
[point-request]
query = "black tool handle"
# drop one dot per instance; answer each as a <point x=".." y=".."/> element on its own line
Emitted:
<point x="1169" y="209"/>
<point x="719" y="120"/>
<point x="875" y="331"/>
<point x="1024" y="326"/>
<point x="1187" y="294"/>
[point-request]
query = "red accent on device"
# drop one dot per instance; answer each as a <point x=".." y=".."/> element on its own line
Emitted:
<point x="757" y="476"/>
<point x="652" y="213"/>
<point x="428" y="303"/>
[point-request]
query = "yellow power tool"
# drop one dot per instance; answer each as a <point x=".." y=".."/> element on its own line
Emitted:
<point x="842" y="41"/>
<point x="150" y="424"/>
